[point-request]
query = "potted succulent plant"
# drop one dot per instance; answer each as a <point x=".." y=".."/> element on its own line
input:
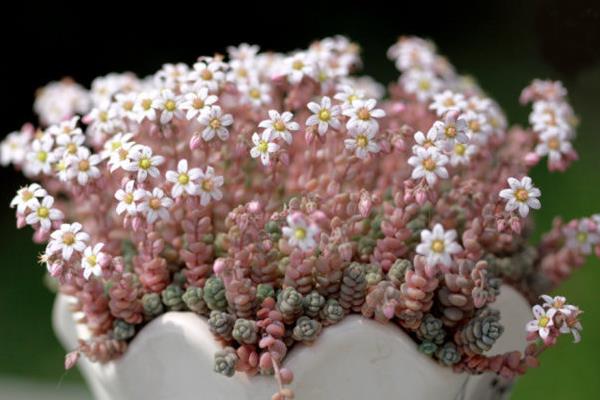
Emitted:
<point x="271" y="215"/>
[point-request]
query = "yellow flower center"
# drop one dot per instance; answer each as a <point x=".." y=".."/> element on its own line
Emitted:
<point x="146" y="104"/>
<point x="170" y="105"/>
<point x="543" y="322"/>
<point x="351" y="98"/>
<point x="364" y="114"/>
<point x="424" y="84"/>
<point x="448" y="102"/>
<point x="71" y="148"/>
<point x="450" y="132"/>
<point x="84" y="165"/>
<point x="215" y="123"/>
<point x="128" y="105"/>
<point x="429" y="164"/>
<point x="324" y="115"/>
<point x="521" y="195"/>
<point x="362" y="141"/>
<point x="92" y="260"/>
<point x="26" y="195"/>
<point x="207" y="75"/>
<point x="460" y="149"/>
<point x="263" y="146"/>
<point x="128" y="199"/>
<point x="297" y="65"/>
<point x="68" y="238"/>
<point x="437" y="246"/>
<point x="42" y="156"/>
<point x="103" y="116"/>
<point x="115" y="145"/>
<point x="183" y="179"/>
<point x="123" y="154"/>
<point x="207" y="185"/>
<point x="279" y="126"/>
<point x="198" y="104"/>
<point x="254" y="93"/>
<point x="474" y="125"/>
<point x="43" y="212"/>
<point x="145" y="163"/>
<point x="554" y="143"/>
<point x="300" y="233"/>
<point x="582" y="237"/>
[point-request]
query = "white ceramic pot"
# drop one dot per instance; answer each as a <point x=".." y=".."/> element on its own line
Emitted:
<point x="172" y="358"/>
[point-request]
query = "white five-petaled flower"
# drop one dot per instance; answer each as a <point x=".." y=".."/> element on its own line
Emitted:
<point x="324" y="115"/>
<point x="428" y="163"/>
<point x="438" y="245"/>
<point x="421" y="83"/>
<point x="43" y="213"/>
<point x="114" y="144"/>
<point x="207" y="73"/>
<point x="255" y="92"/>
<point x="92" y="259"/>
<point x="143" y="162"/>
<point x="300" y="232"/>
<point x="583" y="237"/>
<point x="263" y="146"/>
<point x="362" y="143"/>
<point x="125" y="105"/>
<point x="83" y="166"/>
<point x="478" y="127"/>
<point x="154" y="204"/>
<point x="452" y="130"/>
<point x="571" y="324"/>
<point x="431" y="140"/>
<point x="544" y="320"/>
<point x="40" y="157"/>
<point x="183" y="180"/>
<point x="27" y="196"/>
<point x="68" y="127"/>
<point x="146" y="106"/>
<point x="67" y="239"/>
<point x="280" y="125"/>
<point x="559" y="303"/>
<point x="298" y="66"/>
<point x="13" y="148"/>
<point x="67" y="145"/>
<point x="554" y="144"/>
<point x="215" y="123"/>
<point x="446" y="101"/>
<point x="363" y="116"/>
<point x="347" y="95"/>
<point x="128" y="198"/>
<point x="209" y="185"/>
<point x="522" y="195"/>
<point x="170" y="106"/>
<point x="462" y="153"/>
<point x="195" y="103"/>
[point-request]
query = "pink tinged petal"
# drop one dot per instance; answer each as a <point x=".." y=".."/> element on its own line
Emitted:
<point x="204" y="198"/>
<point x="216" y="194"/>
<point x="523" y="210"/>
<point x="532" y="326"/>
<point x="312" y="120"/>
<point x="254" y="152"/>
<point x="67" y="252"/>
<point x="430" y="178"/>
<point x="314" y="107"/>
<point x="507" y="194"/>
<point x="534" y="203"/>
<point x="538" y="311"/>
<point x="544" y="333"/>
<point x="377" y="113"/>
<point x="171" y="176"/>
<point x="535" y="192"/>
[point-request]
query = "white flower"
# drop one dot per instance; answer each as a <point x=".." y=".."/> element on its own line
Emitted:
<point x="462" y="153"/>
<point x="104" y="118"/>
<point x="83" y="166"/>
<point x="263" y="146"/>
<point x="154" y="204"/>
<point x="195" y="103"/>
<point x="544" y="320"/>
<point x="125" y="105"/>
<point x="324" y="115"/>
<point x="43" y="213"/>
<point x="554" y="145"/>
<point x="362" y="143"/>
<point x="300" y="232"/>
<point x="428" y="163"/>
<point x="209" y="186"/>
<point x="446" y="101"/>
<point x="280" y="125"/>
<point x="127" y="197"/>
<point x="255" y="92"/>
<point x="571" y="324"/>
<point x="363" y="115"/>
<point x="146" y="106"/>
<point x="215" y="123"/>
<point x="91" y="260"/>
<point x="347" y="94"/>
<point x="411" y="53"/>
<point x="244" y="51"/>
<point x="68" y="127"/>
<point x="522" y="195"/>
<point x="13" y="148"/>
<point x="298" y="66"/>
<point x="559" y="303"/>
<point x="551" y="115"/>
<point x="431" y="140"/>
<point x="478" y="127"/>
<point x="40" y="157"/>
<point x="143" y="162"/>
<point x="208" y="74"/>
<point x="27" y="196"/>
<point x="184" y="180"/>
<point x="113" y="146"/>
<point x="452" y="130"/>
<point x="421" y="83"/>
<point x="438" y="246"/>
<point x="583" y="237"/>
<point x="68" y="239"/>
<point x="67" y="145"/>
<point x="170" y="106"/>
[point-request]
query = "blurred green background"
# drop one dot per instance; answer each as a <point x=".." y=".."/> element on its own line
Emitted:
<point x="504" y="45"/>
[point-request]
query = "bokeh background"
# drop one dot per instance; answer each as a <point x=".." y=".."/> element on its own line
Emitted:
<point x="504" y="45"/>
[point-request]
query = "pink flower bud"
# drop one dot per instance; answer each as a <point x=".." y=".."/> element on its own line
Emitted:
<point x="365" y="204"/>
<point x="195" y="142"/>
<point x="531" y="159"/>
<point x="71" y="359"/>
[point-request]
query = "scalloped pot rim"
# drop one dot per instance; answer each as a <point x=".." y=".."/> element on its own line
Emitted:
<point x="172" y="358"/>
